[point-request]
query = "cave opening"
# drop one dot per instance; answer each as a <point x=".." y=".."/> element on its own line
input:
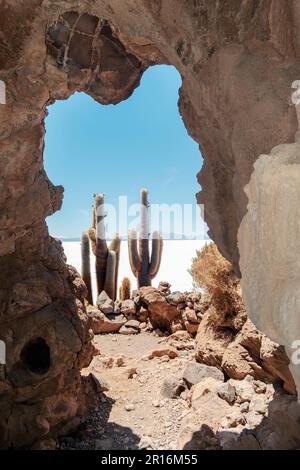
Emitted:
<point x="36" y="356"/>
<point x="229" y="102"/>
<point x="117" y="150"/>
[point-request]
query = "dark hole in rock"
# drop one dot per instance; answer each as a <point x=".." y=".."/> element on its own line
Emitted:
<point x="70" y="17"/>
<point x="35" y="355"/>
<point x="80" y="50"/>
<point x="87" y="23"/>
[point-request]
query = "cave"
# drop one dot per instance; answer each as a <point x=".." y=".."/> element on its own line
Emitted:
<point x="237" y="61"/>
<point x="35" y="355"/>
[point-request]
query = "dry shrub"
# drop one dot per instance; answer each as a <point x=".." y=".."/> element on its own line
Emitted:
<point x="213" y="273"/>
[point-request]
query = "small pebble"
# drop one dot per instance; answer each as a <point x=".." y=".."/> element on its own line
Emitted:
<point x="156" y="403"/>
<point x="129" y="407"/>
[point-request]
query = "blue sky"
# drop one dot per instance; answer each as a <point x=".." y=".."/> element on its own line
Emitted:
<point x="116" y="150"/>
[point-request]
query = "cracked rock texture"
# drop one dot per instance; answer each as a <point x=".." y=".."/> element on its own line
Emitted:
<point x="237" y="61"/>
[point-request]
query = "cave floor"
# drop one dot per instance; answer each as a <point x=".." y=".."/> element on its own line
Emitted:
<point x="132" y="413"/>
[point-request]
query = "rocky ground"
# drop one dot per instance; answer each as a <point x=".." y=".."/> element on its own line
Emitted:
<point x="175" y="372"/>
<point x="154" y="395"/>
<point x="133" y="412"/>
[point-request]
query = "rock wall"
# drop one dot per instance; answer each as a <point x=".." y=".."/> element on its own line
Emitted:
<point x="237" y="61"/>
<point x="269" y="243"/>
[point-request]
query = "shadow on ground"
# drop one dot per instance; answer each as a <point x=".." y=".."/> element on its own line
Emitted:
<point x="96" y="433"/>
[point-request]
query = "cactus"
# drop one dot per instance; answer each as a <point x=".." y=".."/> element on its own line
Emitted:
<point x="125" y="289"/>
<point x="101" y="245"/>
<point x="115" y="246"/>
<point x="107" y="258"/>
<point x="92" y="236"/>
<point x="110" y="275"/>
<point x="94" y="218"/>
<point x="144" y="268"/>
<point x="85" y="266"/>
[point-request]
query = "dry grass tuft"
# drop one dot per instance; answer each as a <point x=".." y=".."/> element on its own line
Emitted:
<point x="213" y="273"/>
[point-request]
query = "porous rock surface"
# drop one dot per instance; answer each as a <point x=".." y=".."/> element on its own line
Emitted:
<point x="237" y="61"/>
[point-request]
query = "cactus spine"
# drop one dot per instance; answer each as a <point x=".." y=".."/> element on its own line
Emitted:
<point x="125" y="289"/>
<point x="144" y="268"/>
<point x="86" y="266"/>
<point x="107" y="258"/>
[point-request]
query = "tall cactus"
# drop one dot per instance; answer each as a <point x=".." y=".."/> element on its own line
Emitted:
<point x="107" y="258"/>
<point x="110" y="275"/>
<point x="115" y="245"/>
<point x="144" y="268"/>
<point x="86" y="266"/>
<point x="101" y="245"/>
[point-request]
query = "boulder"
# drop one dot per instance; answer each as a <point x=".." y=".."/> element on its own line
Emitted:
<point x="163" y="351"/>
<point x="243" y="356"/>
<point x="105" y="303"/>
<point x="196" y="436"/>
<point x="195" y="373"/>
<point x="275" y="361"/>
<point x="212" y="340"/>
<point x="253" y="419"/>
<point x="205" y="386"/>
<point x="142" y="314"/>
<point x="226" y="391"/>
<point x="127" y="330"/>
<point x="244" y="389"/>
<point x="131" y="327"/>
<point x="133" y="324"/>
<point x="199" y="427"/>
<point x="175" y="298"/>
<point x="241" y="350"/>
<point x="281" y="428"/>
<point x="233" y="419"/>
<point x="258" y="404"/>
<point x="101" y="323"/>
<point x="161" y="313"/>
<point x="128" y="307"/>
<point x="172" y="387"/>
